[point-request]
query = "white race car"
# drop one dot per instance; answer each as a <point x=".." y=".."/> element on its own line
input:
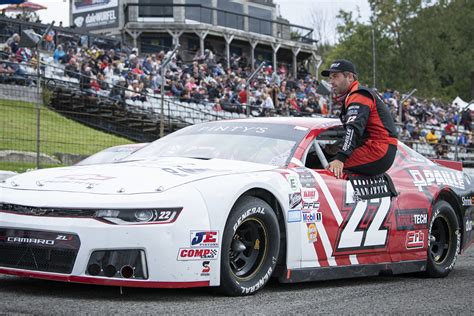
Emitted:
<point x="230" y="204"/>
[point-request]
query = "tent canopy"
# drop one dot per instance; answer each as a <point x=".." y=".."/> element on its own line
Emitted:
<point x="461" y="104"/>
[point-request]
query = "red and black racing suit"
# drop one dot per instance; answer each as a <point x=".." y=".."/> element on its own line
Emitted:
<point x="370" y="142"/>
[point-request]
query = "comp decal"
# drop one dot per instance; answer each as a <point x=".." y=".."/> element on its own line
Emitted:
<point x="188" y="254"/>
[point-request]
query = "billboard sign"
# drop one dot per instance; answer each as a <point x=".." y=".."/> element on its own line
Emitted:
<point x="87" y="14"/>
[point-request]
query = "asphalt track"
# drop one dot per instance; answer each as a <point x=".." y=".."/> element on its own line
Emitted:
<point x="405" y="294"/>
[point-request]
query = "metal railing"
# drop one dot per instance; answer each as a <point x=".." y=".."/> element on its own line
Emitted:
<point x="10" y="26"/>
<point x="133" y="12"/>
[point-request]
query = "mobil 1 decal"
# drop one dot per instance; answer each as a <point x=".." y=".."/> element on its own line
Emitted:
<point x="365" y="226"/>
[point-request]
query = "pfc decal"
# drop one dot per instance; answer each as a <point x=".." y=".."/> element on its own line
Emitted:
<point x="206" y="268"/>
<point x="295" y="200"/>
<point x="205" y="239"/>
<point x="415" y="239"/>
<point x="425" y="178"/>
<point x="467" y="200"/>
<point x="312" y="217"/>
<point x="186" y="254"/>
<point x="312" y="233"/>
<point x="294" y="216"/>
<point x="310" y="195"/>
<point x="411" y="219"/>
<point x="294" y="183"/>
<point x="310" y="206"/>
<point x="306" y="178"/>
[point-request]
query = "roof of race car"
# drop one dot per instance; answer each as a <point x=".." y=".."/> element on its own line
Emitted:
<point x="308" y="122"/>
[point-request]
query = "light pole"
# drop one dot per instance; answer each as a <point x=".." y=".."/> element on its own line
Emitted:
<point x="247" y="86"/>
<point x="162" y="114"/>
<point x="400" y="105"/>
<point x="373" y="57"/>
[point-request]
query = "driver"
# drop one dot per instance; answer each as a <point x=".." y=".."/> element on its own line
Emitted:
<point x="370" y="142"/>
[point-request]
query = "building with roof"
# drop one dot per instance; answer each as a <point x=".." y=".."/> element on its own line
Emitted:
<point x="249" y="28"/>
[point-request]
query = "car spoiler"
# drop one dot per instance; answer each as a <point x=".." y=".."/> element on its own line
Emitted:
<point x="456" y="165"/>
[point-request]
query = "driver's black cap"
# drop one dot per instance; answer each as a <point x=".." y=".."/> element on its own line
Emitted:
<point x="339" y="65"/>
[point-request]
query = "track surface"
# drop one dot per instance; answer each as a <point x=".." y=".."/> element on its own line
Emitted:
<point x="385" y="294"/>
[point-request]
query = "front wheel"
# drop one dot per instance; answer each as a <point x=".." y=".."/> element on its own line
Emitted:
<point x="250" y="247"/>
<point x="444" y="240"/>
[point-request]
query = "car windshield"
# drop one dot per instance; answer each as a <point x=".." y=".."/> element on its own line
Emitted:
<point x="272" y="144"/>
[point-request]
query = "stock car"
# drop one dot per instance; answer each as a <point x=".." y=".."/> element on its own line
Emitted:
<point x="230" y="204"/>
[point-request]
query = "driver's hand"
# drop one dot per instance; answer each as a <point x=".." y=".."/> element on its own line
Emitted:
<point x="336" y="167"/>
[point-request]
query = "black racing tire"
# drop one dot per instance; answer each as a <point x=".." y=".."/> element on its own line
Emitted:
<point x="444" y="240"/>
<point x="250" y="247"/>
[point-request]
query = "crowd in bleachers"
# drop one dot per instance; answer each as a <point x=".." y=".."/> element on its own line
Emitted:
<point x="124" y="75"/>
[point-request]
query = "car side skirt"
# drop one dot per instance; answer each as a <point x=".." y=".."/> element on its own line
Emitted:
<point x="101" y="281"/>
<point x="355" y="271"/>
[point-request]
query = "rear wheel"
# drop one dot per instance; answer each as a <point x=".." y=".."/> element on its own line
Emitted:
<point x="444" y="240"/>
<point x="250" y="247"/>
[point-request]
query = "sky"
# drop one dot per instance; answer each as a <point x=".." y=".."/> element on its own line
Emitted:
<point x="298" y="12"/>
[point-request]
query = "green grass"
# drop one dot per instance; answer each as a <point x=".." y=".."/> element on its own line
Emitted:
<point x="22" y="166"/>
<point x="58" y="134"/>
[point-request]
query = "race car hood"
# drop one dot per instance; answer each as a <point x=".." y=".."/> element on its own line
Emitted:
<point x="144" y="176"/>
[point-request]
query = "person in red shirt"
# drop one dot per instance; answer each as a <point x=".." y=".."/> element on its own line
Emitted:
<point x="370" y="142"/>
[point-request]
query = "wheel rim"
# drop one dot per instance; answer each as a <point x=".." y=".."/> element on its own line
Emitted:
<point x="248" y="249"/>
<point x="440" y="240"/>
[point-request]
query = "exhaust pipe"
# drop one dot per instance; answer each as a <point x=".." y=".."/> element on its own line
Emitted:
<point x="94" y="269"/>
<point x="127" y="272"/>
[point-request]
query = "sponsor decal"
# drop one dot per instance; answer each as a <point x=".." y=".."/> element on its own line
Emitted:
<point x="187" y="254"/>
<point x="294" y="216"/>
<point x="86" y="177"/>
<point x="424" y="178"/>
<point x="468" y="225"/>
<point x="25" y="240"/>
<point x="294" y="183"/>
<point x="306" y="178"/>
<point x="255" y="210"/>
<point x="411" y="219"/>
<point x="348" y="139"/>
<point x="233" y="128"/>
<point x="312" y="217"/>
<point x="312" y="233"/>
<point x="183" y="171"/>
<point x="415" y="239"/>
<point x="206" y="268"/>
<point x="295" y="199"/>
<point x="467" y="200"/>
<point x="310" y="195"/>
<point x="205" y="239"/>
<point x="310" y="206"/>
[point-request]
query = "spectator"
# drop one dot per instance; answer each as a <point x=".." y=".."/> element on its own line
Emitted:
<point x="58" y="53"/>
<point x="466" y="119"/>
<point x="431" y="137"/>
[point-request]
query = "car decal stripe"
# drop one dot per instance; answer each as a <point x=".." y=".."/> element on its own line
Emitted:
<point x="332" y="204"/>
<point x="326" y="244"/>
<point x="353" y="259"/>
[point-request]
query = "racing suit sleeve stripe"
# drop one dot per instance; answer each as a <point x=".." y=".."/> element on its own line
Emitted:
<point x="357" y="115"/>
